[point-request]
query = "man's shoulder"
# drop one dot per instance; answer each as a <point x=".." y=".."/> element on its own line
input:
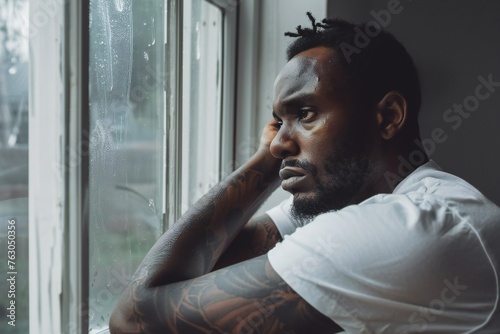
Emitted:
<point x="430" y="202"/>
<point x="446" y="189"/>
<point x="434" y="180"/>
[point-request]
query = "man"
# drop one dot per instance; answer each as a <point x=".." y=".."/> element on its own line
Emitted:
<point x="376" y="238"/>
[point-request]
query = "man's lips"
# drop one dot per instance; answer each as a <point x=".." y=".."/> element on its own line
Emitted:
<point x="292" y="177"/>
<point x="289" y="172"/>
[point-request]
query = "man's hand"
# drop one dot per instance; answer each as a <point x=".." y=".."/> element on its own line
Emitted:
<point x="270" y="131"/>
<point x="263" y="161"/>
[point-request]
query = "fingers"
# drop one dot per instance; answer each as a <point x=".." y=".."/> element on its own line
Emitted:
<point x="270" y="131"/>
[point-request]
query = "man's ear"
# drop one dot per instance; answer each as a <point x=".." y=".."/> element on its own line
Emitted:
<point x="391" y="114"/>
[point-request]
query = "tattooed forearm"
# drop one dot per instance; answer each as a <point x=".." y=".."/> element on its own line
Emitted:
<point x="257" y="237"/>
<point x="270" y="236"/>
<point x="245" y="298"/>
<point x="192" y="246"/>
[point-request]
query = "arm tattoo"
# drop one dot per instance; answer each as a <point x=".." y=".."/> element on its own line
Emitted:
<point x="258" y="237"/>
<point x="192" y="246"/>
<point x="245" y="298"/>
<point x="266" y="236"/>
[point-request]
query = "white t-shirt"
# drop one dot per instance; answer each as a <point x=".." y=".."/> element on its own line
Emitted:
<point x="423" y="259"/>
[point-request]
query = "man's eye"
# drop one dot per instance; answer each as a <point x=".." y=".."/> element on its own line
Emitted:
<point x="305" y="114"/>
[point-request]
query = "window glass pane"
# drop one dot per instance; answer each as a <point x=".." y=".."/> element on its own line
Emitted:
<point x="127" y="143"/>
<point x="201" y="103"/>
<point x="14" y="76"/>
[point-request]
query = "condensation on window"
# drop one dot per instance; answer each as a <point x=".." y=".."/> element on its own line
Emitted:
<point x="127" y="104"/>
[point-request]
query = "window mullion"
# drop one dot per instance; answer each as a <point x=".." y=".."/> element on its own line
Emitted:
<point x="46" y="168"/>
<point x="229" y="73"/>
<point x="174" y="105"/>
<point x="76" y="142"/>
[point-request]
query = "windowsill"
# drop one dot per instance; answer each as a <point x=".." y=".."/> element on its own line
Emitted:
<point x="102" y="330"/>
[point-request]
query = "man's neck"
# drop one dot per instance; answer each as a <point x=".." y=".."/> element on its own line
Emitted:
<point x="402" y="164"/>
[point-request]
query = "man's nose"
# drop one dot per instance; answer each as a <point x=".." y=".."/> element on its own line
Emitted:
<point x="284" y="144"/>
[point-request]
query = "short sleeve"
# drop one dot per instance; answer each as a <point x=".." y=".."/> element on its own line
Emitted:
<point x="282" y="217"/>
<point x="393" y="264"/>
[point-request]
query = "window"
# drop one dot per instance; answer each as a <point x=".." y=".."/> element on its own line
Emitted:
<point x="130" y="120"/>
<point x="156" y="130"/>
<point x="126" y="130"/>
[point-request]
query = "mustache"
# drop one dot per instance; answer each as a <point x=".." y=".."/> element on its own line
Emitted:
<point x="304" y="164"/>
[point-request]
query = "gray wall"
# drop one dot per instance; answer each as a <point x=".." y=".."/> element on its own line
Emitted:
<point x="453" y="42"/>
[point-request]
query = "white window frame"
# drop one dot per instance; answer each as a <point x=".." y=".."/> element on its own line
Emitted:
<point x="47" y="228"/>
<point x="59" y="172"/>
<point x="230" y="8"/>
<point x="174" y="90"/>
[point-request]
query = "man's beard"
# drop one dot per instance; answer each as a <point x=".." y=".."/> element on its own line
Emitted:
<point x="347" y="173"/>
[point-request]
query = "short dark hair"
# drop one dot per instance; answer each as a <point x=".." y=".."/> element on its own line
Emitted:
<point x="378" y="65"/>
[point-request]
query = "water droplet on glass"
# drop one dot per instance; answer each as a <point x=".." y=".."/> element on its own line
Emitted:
<point x="12" y="70"/>
<point x="153" y="32"/>
<point x="152" y="205"/>
<point x="119" y="5"/>
<point x="146" y="56"/>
